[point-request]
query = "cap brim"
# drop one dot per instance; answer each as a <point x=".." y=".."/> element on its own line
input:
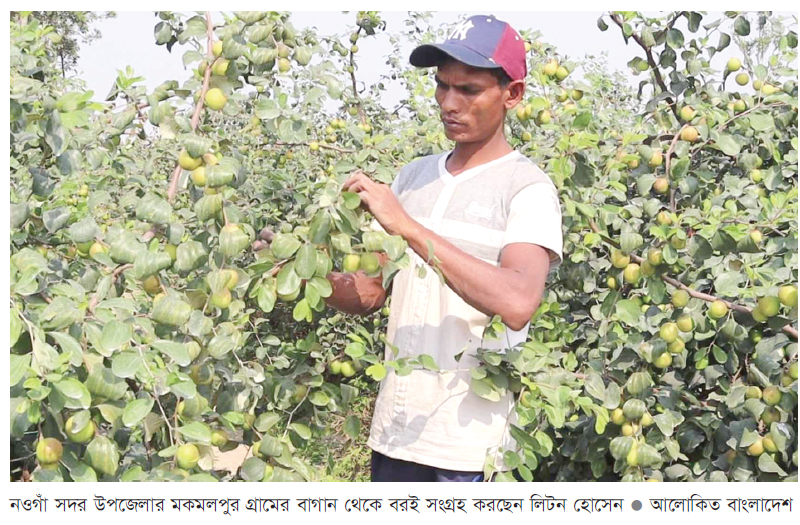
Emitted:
<point x="429" y="55"/>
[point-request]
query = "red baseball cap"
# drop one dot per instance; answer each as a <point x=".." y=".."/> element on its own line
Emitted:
<point x="480" y="41"/>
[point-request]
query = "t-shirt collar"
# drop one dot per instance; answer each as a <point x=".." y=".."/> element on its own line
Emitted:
<point x="448" y="178"/>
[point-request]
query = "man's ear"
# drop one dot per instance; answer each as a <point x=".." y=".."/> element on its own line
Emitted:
<point x="516" y="90"/>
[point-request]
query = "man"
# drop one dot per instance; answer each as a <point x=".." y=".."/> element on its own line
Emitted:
<point x="494" y="220"/>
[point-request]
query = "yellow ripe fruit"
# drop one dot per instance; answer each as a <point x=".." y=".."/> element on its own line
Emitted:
<point x="544" y="117"/>
<point x="199" y="176"/>
<point x="216" y="48"/>
<point x="351" y="263"/>
<point x="152" y="285"/>
<point x="335" y="367"/>
<point x="550" y="68"/>
<point x="757" y="85"/>
<point x="619" y="259"/>
<point x="220" y="67"/>
<point x="187" y="456"/>
<point x="347" y="369"/>
<point x="661" y="185"/>
<point x="664" y="218"/>
<point x="284" y="65"/>
<point x="663" y="361"/>
<point x="562" y="72"/>
<point x="618" y="416"/>
<point x="769" y="444"/>
<point x="718" y="309"/>
<point x="734" y="64"/>
<point x="209" y="159"/>
<point x="772" y="395"/>
<point x="216" y="99"/>
<point x="756" y="448"/>
<point x="676" y="346"/>
<point x="680" y="298"/>
<point x="49" y="450"/>
<point x="769" y="305"/>
<point x="369" y="263"/>
<point x="632" y="273"/>
<point x="689" y="134"/>
<point x="627" y="429"/>
<point x="221" y="299"/>
<point x="685" y="323"/>
<point x="233" y="278"/>
<point x="655" y="257"/>
<point x="656" y="159"/>
<point x="314" y="146"/>
<point x="647" y="419"/>
<point x="576" y="94"/>
<point x="742" y="79"/>
<point x="219" y="437"/>
<point x="83" y="436"/>
<point x="633" y="456"/>
<point x="687" y="113"/>
<point x="669" y="332"/>
<point x="787" y="295"/>
<point x="97" y="248"/>
<point x="187" y="162"/>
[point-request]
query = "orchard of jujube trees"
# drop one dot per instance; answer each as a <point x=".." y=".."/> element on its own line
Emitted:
<point x="169" y="253"/>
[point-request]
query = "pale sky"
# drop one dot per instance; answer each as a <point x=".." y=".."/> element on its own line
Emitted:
<point x="128" y="40"/>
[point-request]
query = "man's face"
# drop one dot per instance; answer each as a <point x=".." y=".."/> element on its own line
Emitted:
<point x="472" y="102"/>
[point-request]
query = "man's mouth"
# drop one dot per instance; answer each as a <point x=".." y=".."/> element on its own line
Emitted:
<point x="452" y="123"/>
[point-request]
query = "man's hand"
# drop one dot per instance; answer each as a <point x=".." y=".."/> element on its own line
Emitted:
<point x="381" y="203"/>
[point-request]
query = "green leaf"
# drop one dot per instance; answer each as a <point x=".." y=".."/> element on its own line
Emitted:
<point x="154" y="209"/>
<point x="741" y="26"/>
<point x="103" y="454"/>
<point x="126" y="364"/>
<point x="306" y="262"/>
<point x="176" y="351"/>
<point x="301" y="310"/>
<point x="728" y="145"/>
<point x="83" y="231"/>
<point x="19" y="366"/>
<point x="301" y="430"/>
<point x="352" y="427"/>
<point x="484" y="388"/>
<point x="628" y="312"/>
<point x="253" y="469"/>
<point x="196" y="431"/>
<point x="116" y="334"/>
<point x="284" y="245"/>
<point x="288" y="281"/>
<point x="319" y="399"/>
<point x="761" y="121"/>
<point x="351" y="200"/>
<point x="136" y="410"/>
<point x="675" y="38"/>
<point x="377" y="372"/>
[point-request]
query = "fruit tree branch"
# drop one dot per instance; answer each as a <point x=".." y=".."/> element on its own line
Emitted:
<point x="710" y="298"/>
<point x="668" y="162"/>
<point x="652" y="62"/>
<point x="198" y="108"/>
<point x="326" y="146"/>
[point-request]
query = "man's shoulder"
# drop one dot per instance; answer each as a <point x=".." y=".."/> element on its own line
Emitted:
<point x="518" y="173"/>
<point x="425" y="162"/>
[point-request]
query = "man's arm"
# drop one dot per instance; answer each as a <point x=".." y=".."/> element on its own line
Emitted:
<point x="512" y="290"/>
<point x="355" y="293"/>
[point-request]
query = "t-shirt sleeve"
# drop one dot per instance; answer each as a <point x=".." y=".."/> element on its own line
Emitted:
<point x="535" y="218"/>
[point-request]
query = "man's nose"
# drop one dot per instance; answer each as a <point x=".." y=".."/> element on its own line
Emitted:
<point x="450" y="102"/>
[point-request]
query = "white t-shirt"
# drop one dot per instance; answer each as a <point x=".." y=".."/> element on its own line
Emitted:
<point x="433" y="418"/>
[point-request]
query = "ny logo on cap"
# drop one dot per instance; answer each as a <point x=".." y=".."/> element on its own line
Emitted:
<point x="460" y="32"/>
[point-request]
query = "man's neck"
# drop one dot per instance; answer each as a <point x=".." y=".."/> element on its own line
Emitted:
<point x="470" y="155"/>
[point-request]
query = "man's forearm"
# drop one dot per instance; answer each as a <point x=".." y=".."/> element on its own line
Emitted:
<point x="487" y="288"/>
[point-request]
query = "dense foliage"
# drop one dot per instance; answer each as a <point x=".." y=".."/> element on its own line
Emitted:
<point x="169" y="253"/>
